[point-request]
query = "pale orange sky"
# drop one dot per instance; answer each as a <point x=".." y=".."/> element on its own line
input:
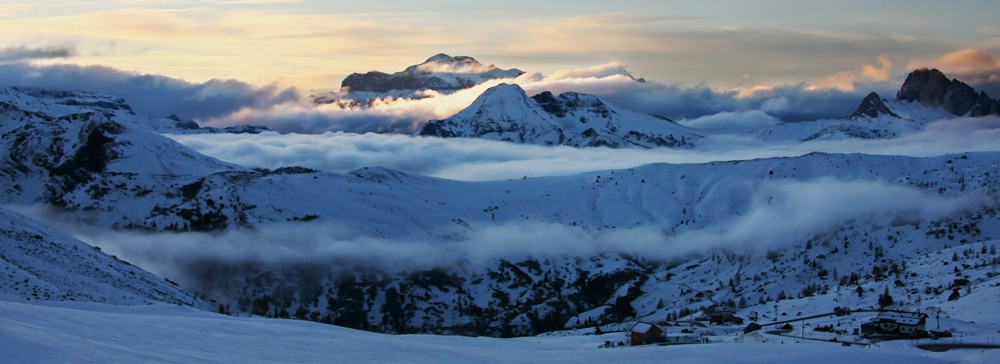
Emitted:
<point x="313" y="44"/>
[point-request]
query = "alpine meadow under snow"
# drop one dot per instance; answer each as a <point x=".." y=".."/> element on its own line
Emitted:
<point x="543" y="223"/>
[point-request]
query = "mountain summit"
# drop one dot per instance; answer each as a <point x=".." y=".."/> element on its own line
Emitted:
<point x="505" y="112"/>
<point x="441" y="73"/>
<point x="872" y="106"/>
<point x="931" y="88"/>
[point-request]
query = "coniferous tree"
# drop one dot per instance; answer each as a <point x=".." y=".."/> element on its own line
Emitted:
<point x="954" y="295"/>
<point x="885" y="299"/>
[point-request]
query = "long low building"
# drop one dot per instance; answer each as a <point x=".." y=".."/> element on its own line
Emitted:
<point x="896" y="323"/>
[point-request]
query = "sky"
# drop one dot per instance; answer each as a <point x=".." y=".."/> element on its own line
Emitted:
<point x="312" y="45"/>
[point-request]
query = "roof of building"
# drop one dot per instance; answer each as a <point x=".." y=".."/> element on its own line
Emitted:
<point x="902" y="318"/>
<point x="642" y="327"/>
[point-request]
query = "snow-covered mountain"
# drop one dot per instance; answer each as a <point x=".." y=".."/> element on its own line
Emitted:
<point x="505" y="112"/>
<point x="925" y="96"/>
<point x="112" y="173"/>
<point x="62" y="103"/>
<point x="441" y="73"/>
<point x="875" y="118"/>
<point x="40" y="263"/>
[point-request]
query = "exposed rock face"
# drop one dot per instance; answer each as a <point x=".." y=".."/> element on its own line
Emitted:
<point x="932" y="88"/>
<point x="440" y="73"/>
<point x="191" y="127"/>
<point x="872" y="107"/>
<point x="959" y="98"/>
<point x="985" y="106"/>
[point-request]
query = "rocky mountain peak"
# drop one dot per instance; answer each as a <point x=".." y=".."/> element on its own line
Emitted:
<point x="440" y="72"/>
<point x="872" y="107"/>
<point x="444" y="58"/>
<point x="985" y="106"/>
<point x="503" y="99"/>
<point x="550" y="104"/>
<point x="931" y="88"/>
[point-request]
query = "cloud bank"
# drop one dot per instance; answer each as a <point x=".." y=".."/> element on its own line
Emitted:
<point x="476" y="160"/>
<point x="790" y="103"/>
<point x="805" y="208"/>
<point x="149" y="95"/>
<point x="231" y="102"/>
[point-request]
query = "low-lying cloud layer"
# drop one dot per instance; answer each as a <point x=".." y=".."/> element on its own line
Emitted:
<point x="804" y="208"/>
<point x="475" y="159"/>
<point x="231" y="102"/>
<point x="611" y="82"/>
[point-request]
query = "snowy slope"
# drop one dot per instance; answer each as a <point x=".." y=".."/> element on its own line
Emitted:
<point x="114" y="174"/>
<point x="54" y="156"/>
<point x="505" y="112"/>
<point x="41" y="263"/>
<point x="165" y="334"/>
<point x="62" y="103"/>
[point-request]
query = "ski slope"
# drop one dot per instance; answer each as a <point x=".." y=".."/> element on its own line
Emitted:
<point x="93" y="333"/>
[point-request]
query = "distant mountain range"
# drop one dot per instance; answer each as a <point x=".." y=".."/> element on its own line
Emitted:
<point x="505" y="112"/>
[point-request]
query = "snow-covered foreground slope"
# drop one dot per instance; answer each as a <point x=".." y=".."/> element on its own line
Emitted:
<point x="38" y="262"/>
<point x="85" y="333"/>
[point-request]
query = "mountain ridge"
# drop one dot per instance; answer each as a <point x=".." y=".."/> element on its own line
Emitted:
<point x="505" y="112"/>
<point x="931" y="88"/>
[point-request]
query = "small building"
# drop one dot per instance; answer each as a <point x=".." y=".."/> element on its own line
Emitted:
<point x="643" y="333"/>
<point x="725" y="318"/>
<point x="896" y="323"/>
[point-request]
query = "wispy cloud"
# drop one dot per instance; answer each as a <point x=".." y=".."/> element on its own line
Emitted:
<point x="316" y="48"/>
<point x="25" y="53"/>
<point x="150" y="95"/>
<point x="849" y="80"/>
